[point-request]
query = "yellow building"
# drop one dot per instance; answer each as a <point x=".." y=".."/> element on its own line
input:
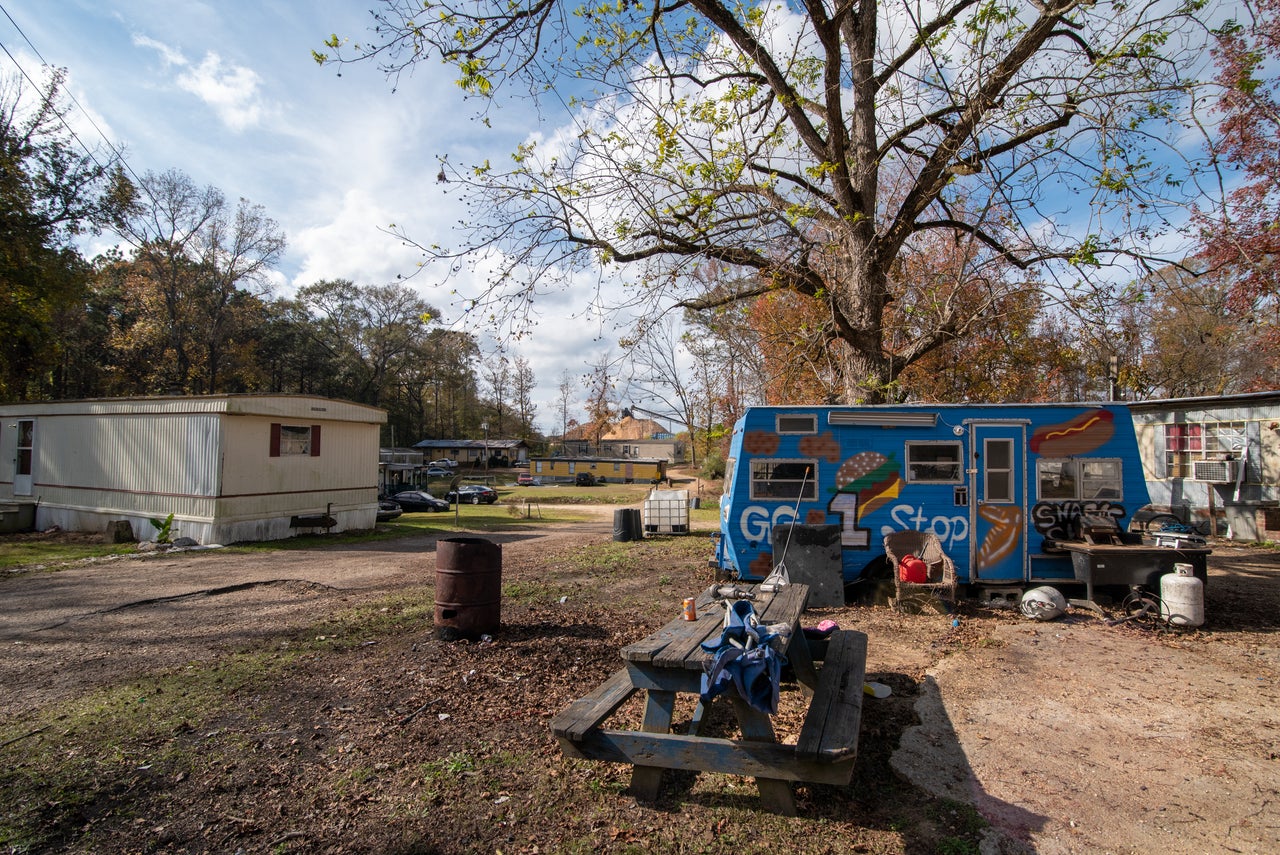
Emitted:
<point x="613" y="470"/>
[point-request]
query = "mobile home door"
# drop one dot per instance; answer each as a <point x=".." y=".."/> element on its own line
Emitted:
<point x="998" y="516"/>
<point x="24" y="457"/>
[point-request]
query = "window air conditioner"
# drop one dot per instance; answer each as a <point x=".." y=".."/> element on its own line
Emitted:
<point x="1215" y="471"/>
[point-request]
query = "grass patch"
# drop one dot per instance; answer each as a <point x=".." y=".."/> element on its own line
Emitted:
<point x="93" y="755"/>
<point x="23" y="553"/>
<point x="532" y="593"/>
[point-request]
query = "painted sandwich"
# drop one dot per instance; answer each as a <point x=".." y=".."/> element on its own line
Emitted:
<point x="873" y="477"/>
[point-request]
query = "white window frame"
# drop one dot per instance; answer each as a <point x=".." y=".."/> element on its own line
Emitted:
<point x="918" y="469"/>
<point x="1085" y="487"/>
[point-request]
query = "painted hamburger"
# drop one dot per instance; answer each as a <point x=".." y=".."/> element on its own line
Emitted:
<point x="873" y="477"/>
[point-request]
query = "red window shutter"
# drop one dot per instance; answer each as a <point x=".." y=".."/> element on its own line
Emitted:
<point x="275" y="439"/>
<point x="315" y="440"/>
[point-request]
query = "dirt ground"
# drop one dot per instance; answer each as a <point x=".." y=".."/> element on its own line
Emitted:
<point x="371" y="734"/>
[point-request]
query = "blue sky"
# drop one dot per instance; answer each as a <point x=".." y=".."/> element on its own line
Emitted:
<point x="228" y="93"/>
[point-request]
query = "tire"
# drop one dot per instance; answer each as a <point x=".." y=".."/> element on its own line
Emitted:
<point x="475" y="500"/>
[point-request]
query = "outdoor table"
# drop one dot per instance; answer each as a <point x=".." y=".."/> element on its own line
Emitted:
<point x="671" y="662"/>
<point x="1130" y="564"/>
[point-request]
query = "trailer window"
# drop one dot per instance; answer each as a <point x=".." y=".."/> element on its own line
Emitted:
<point x="784" y="479"/>
<point x="797" y="424"/>
<point x="933" y="462"/>
<point x="998" y="471"/>
<point x="1100" y="479"/>
<point x="1080" y="479"/>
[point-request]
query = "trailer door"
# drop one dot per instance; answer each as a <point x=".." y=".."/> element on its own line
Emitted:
<point x="999" y="545"/>
<point x="24" y="457"/>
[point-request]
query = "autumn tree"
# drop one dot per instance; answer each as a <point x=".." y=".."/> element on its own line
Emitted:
<point x="1189" y="337"/>
<point x="52" y="191"/>
<point x="801" y="363"/>
<point x="436" y="391"/>
<point x="1240" y="236"/>
<point x="807" y="147"/>
<point x="368" y="331"/>
<point x="203" y="260"/>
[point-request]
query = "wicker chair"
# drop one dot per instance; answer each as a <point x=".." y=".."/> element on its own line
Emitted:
<point x="925" y="546"/>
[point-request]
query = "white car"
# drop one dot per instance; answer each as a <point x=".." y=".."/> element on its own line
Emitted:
<point x="444" y="464"/>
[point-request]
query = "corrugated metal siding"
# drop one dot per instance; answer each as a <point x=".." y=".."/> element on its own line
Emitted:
<point x="172" y="455"/>
<point x="279" y="406"/>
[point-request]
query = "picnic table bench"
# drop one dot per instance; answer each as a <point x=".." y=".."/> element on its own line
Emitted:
<point x="671" y="662"/>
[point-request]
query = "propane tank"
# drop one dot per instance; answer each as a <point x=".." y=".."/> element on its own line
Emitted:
<point x="1182" y="597"/>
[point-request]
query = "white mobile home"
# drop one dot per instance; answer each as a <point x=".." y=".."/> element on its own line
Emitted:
<point x="1214" y="462"/>
<point x="228" y="467"/>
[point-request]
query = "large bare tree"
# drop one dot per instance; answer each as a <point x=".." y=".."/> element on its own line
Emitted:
<point x="201" y="257"/>
<point x="811" y="145"/>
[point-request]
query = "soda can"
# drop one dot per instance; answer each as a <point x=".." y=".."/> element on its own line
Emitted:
<point x="690" y="610"/>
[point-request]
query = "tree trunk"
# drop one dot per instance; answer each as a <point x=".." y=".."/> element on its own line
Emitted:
<point x="861" y="292"/>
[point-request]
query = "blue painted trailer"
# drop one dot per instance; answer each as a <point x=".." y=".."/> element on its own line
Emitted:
<point x="997" y="483"/>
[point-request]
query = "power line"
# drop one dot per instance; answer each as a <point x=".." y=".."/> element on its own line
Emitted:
<point x="119" y="155"/>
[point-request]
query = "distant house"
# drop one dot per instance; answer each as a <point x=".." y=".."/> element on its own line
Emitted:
<point x="473" y="452"/>
<point x="605" y="469"/>
<point x="400" y="469"/>
<point x="629" y="438"/>
<point x="1215" y="458"/>
<point x="228" y="467"/>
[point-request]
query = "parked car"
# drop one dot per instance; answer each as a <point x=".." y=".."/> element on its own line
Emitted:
<point x="585" y="479"/>
<point x="474" y="494"/>
<point x="444" y="463"/>
<point x="524" y="479"/>
<point x="388" y="510"/>
<point x="412" y="501"/>
<point x="439" y="472"/>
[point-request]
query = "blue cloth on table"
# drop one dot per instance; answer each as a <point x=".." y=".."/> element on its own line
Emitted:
<point x="744" y="660"/>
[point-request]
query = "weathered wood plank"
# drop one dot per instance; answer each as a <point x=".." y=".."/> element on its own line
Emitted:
<point x="659" y="708"/>
<point x="644" y="675"/>
<point x="775" y="793"/>
<point x="678" y="629"/>
<point x="830" y="730"/>
<point x="708" y="754"/>
<point x="782" y="606"/>
<point x="589" y="711"/>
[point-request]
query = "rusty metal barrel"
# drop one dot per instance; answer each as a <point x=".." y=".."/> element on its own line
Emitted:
<point x="468" y="588"/>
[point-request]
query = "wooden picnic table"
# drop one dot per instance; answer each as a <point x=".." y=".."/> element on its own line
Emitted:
<point x="671" y="662"/>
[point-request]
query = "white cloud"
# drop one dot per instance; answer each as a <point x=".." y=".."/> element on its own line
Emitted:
<point x="232" y="91"/>
<point x="169" y="55"/>
<point x="347" y="244"/>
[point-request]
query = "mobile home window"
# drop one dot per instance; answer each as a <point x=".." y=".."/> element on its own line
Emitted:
<point x="797" y="424"/>
<point x="287" y="440"/>
<point x="933" y="462"/>
<point x="784" y="479"/>
<point x="1186" y="443"/>
<point x="1080" y="479"/>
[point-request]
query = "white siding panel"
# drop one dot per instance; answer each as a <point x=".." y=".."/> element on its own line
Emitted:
<point x="175" y="456"/>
